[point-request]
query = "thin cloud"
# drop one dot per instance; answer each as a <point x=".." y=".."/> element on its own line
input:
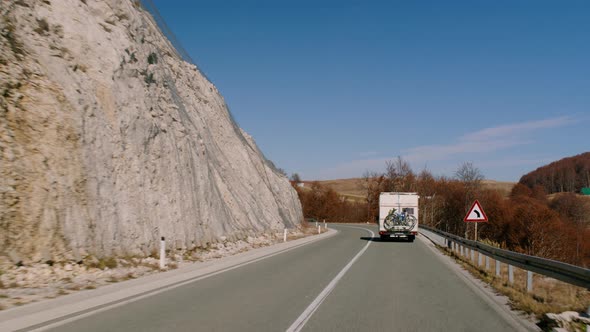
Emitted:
<point x="486" y="140"/>
<point x="518" y="128"/>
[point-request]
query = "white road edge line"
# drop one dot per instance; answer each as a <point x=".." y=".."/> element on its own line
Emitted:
<point x="44" y="326"/>
<point x="482" y="289"/>
<point x="300" y="322"/>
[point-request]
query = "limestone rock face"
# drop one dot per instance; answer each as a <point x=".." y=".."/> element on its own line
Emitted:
<point x="108" y="140"/>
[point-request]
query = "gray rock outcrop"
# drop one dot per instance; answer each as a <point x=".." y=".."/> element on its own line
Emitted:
<point x="109" y="141"/>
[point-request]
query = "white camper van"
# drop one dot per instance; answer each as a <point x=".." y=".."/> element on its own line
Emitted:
<point x="398" y="215"/>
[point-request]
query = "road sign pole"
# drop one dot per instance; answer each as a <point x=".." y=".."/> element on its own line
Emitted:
<point x="476" y="231"/>
<point x="163" y="253"/>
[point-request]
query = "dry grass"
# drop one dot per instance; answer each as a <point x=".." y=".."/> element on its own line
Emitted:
<point x="112" y="279"/>
<point x="556" y="195"/>
<point x="353" y="188"/>
<point x="548" y="295"/>
<point x="503" y="187"/>
<point x="103" y="263"/>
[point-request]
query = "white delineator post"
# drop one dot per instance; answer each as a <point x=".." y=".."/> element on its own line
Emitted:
<point x="319" y="229"/>
<point x="163" y="253"/>
<point x="285" y="235"/>
<point x="325" y="225"/>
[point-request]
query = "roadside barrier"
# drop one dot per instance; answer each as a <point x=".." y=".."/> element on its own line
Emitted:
<point x="568" y="273"/>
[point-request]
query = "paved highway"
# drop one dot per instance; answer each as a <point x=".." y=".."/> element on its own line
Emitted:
<point x="347" y="282"/>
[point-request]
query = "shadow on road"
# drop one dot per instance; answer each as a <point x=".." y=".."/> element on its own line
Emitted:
<point x="378" y="239"/>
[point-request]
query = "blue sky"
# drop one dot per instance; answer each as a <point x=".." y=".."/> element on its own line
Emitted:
<point x="330" y="89"/>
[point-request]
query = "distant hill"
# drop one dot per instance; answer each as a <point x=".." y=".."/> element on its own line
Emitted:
<point x="565" y="175"/>
<point x="353" y="187"/>
<point x="502" y="186"/>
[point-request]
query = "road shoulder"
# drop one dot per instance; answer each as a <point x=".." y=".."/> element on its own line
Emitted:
<point x="52" y="313"/>
<point x="498" y="303"/>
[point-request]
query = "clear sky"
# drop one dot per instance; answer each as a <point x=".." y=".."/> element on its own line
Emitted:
<point x="330" y="89"/>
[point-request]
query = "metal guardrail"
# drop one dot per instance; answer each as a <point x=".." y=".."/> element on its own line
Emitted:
<point x="568" y="273"/>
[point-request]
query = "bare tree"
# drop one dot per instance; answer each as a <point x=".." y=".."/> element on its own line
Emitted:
<point x="472" y="177"/>
<point x="469" y="174"/>
<point x="400" y="174"/>
<point x="282" y="171"/>
<point x="295" y="178"/>
<point x="373" y="184"/>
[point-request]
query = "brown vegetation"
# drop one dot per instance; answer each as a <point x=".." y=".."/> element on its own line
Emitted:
<point x="565" y="175"/>
<point x="353" y="188"/>
<point x="324" y="203"/>
<point x="548" y="295"/>
<point x="525" y="220"/>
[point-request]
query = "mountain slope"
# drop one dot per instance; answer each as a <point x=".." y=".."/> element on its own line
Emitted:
<point x="109" y="141"/>
<point x="565" y="175"/>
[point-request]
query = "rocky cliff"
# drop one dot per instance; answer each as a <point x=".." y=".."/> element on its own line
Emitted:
<point x="108" y="140"/>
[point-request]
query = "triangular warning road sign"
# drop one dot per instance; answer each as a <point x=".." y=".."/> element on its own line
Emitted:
<point x="476" y="213"/>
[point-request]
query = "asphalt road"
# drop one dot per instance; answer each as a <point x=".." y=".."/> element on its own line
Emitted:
<point x="391" y="286"/>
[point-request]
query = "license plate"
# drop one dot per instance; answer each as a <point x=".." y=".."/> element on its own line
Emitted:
<point x="398" y="235"/>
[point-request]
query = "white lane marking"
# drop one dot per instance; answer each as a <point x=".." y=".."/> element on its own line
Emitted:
<point x="300" y="322"/>
<point x="47" y="325"/>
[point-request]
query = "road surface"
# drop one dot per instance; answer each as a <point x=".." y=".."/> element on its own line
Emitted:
<point x="391" y="286"/>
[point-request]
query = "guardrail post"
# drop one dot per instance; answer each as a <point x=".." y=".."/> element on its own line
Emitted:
<point x="570" y="274"/>
<point x="163" y="253"/>
<point x="588" y="325"/>
<point x="472" y="255"/>
<point x="529" y="281"/>
<point x="479" y="259"/>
